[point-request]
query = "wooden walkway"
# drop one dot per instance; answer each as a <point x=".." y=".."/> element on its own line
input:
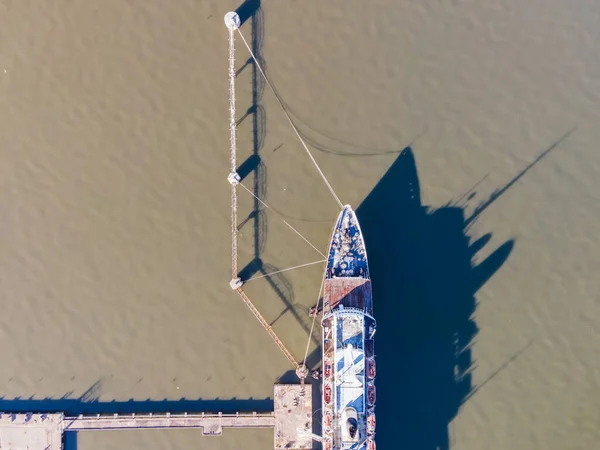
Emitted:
<point x="211" y="424"/>
<point x="267" y="327"/>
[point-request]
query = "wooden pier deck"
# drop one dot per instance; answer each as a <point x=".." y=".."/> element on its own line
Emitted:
<point x="211" y="424"/>
<point x="268" y="328"/>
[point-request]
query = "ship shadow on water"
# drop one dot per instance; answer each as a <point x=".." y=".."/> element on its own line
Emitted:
<point x="424" y="286"/>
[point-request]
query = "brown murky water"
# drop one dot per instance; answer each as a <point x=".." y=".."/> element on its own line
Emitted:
<point x="114" y="266"/>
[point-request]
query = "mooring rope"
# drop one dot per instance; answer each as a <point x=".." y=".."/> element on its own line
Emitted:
<point x="284" y="221"/>
<point x="312" y="326"/>
<point x="337" y="199"/>
<point x="256" y="277"/>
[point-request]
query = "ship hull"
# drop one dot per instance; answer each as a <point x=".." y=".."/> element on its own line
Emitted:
<point x="348" y="329"/>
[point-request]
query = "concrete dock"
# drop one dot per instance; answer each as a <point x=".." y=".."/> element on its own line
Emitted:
<point x="291" y="420"/>
<point x="31" y="431"/>
<point x="293" y="416"/>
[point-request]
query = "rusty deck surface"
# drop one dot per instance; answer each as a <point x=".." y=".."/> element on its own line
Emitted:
<point x="349" y="292"/>
<point x="293" y="416"/>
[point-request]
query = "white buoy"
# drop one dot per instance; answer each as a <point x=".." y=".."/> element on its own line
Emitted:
<point x="234" y="178"/>
<point x="236" y="283"/>
<point x="232" y="20"/>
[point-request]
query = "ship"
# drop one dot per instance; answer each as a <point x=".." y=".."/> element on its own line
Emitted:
<point x="348" y="330"/>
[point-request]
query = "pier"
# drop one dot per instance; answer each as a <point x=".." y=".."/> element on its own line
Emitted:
<point x="291" y="421"/>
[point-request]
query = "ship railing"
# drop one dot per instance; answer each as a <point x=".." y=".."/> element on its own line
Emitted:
<point x="349" y="311"/>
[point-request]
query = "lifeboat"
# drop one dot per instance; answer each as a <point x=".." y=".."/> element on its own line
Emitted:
<point x="371" y="423"/>
<point x="328" y="421"/>
<point x="327" y="371"/>
<point x="370" y="394"/>
<point x="350" y="418"/>
<point x="327" y="393"/>
<point x="371" y="368"/>
<point x="370" y="445"/>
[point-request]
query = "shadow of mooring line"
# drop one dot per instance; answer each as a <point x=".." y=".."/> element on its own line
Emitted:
<point x="282" y="288"/>
<point x="499" y="192"/>
<point x="89" y="403"/>
<point x="497" y="371"/>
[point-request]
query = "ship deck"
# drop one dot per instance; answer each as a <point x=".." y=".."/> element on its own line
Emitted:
<point x="348" y="329"/>
<point x="348" y="292"/>
<point x="345" y="357"/>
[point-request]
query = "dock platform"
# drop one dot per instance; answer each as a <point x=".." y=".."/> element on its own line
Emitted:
<point x="31" y="431"/>
<point x="293" y="416"/>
